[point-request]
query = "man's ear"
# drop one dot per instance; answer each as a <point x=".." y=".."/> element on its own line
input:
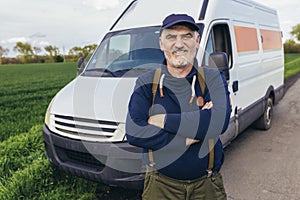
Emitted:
<point x="161" y="44"/>
<point x="198" y="41"/>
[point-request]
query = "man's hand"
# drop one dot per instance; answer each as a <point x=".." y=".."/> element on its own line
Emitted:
<point x="189" y="141"/>
<point x="157" y="120"/>
<point x="208" y="105"/>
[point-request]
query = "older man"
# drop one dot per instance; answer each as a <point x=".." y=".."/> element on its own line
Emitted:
<point x="176" y="115"/>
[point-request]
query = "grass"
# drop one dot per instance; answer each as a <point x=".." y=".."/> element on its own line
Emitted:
<point x="25" y="92"/>
<point x="292" y="64"/>
<point x="25" y="172"/>
<point x="29" y="175"/>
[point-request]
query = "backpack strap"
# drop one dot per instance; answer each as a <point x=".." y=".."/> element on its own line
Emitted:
<point x="211" y="142"/>
<point x="155" y="83"/>
<point x="154" y="89"/>
<point x="211" y="147"/>
<point x="201" y="79"/>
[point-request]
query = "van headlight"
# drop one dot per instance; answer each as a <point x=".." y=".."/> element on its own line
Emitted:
<point x="47" y="115"/>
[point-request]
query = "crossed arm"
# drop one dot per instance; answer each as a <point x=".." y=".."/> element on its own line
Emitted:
<point x="154" y="132"/>
<point x="159" y="121"/>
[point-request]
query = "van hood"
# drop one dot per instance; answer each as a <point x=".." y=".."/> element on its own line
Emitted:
<point x="95" y="98"/>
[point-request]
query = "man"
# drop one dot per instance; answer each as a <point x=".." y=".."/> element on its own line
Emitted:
<point x="179" y="125"/>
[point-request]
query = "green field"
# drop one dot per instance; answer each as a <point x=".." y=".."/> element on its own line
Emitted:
<point x="292" y="64"/>
<point x="25" y="92"/>
<point x="25" y="173"/>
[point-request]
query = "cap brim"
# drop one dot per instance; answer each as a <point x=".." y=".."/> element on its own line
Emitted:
<point x="191" y="25"/>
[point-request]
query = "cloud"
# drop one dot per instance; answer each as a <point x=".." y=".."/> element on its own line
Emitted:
<point x="15" y="40"/>
<point x="37" y="35"/>
<point x="34" y="39"/>
<point x="43" y="43"/>
<point x="102" y="4"/>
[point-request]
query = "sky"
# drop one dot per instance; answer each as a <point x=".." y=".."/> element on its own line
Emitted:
<point x="69" y="23"/>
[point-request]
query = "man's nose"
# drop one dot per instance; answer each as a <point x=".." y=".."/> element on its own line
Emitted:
<point x="179" y="43"/>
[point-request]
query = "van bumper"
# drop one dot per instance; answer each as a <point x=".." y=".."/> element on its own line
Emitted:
<point x="75" y="157"/>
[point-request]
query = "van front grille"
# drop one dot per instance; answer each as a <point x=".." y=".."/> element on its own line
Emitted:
<point x="81" y="158"/>
<point x="88" y="128"/>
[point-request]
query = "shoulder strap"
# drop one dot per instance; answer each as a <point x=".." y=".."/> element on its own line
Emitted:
<point x="154" y="86"/>
<point x="211" y="142"/>
<point x="201" y="79"/>
<point x="211" y="146"/>
<point x="155" y="83"/>
<point x="154" y="89"/>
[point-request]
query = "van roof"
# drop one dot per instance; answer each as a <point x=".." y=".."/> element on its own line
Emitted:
<point x="151" y="13"/>
<point x="141" y="13"/>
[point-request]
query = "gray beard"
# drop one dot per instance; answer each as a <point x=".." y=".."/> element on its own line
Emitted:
<point x="177" y="64"/>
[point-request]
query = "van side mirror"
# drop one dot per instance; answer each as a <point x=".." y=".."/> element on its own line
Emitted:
<point x="80" y="65"/>
<point x="219" y="60"/>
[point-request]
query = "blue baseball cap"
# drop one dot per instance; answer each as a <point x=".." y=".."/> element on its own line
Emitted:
<point x="173" y="19"/>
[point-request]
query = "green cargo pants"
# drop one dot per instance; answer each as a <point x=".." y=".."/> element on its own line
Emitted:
<point x="158" y="186"/>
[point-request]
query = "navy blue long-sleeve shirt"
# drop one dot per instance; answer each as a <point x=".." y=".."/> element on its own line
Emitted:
<point x="183" y="120"/>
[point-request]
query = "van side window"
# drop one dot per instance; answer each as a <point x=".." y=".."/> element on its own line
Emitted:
<point x="208" y="50"/>
<point x="218" y="41"/>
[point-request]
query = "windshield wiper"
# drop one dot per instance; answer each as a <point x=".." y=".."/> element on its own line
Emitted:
<point x="104" y="70"/>
<point x="119" y="73"/>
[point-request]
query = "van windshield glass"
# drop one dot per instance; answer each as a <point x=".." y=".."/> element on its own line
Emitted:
<point x="126" y="53"/>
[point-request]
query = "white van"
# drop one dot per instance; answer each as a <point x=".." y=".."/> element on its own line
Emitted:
<point x="84" y="131"/>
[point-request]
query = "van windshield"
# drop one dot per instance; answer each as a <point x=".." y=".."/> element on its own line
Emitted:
<point x="126" y="53"/>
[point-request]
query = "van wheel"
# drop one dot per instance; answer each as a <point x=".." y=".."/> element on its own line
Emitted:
<point x="265" y="121"/>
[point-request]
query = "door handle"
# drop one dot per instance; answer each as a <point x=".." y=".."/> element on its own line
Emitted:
<point x="235" y="86"/>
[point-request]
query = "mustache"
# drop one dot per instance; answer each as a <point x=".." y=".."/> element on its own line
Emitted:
<point x="179" y="50"/>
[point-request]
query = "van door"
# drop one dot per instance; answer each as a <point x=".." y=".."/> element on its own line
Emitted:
<point x="219" y="40"/>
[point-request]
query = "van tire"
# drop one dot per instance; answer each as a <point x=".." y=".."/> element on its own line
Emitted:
<point x="265" y="121"/>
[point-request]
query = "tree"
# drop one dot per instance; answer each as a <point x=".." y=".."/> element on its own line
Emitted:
<point x="37" y="50"/>
<point x="296" y="31"/>
<point x="78" y="52"/>
<point x="290" y="46"/>
<point x="3" y="52"/>
<point x="53" y="53"/>
<point x="88" y="49"/>
<point x="52" y="50"/>
<point x="23" y="48"/>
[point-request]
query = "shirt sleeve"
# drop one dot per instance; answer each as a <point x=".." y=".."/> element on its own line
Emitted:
<point x="204" y="123"/>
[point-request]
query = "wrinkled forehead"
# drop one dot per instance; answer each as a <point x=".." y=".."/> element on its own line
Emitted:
<point x="177" y="29"/>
